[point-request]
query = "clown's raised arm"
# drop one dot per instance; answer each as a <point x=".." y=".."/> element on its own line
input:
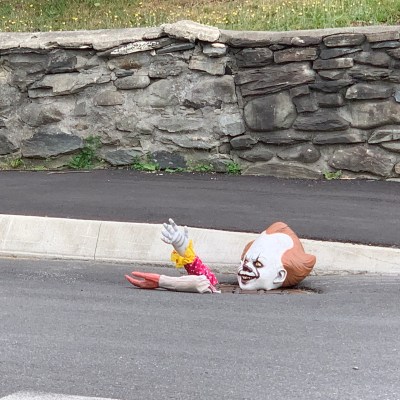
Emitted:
<point x="200" y="279"/>
<point x="171" y="234"/>
<point x="184" y="254"/>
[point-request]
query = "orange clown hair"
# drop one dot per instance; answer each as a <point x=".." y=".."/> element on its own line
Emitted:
<point x="297" y="263"/>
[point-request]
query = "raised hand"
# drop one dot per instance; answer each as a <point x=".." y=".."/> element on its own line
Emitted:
<point x="172" y="234"/>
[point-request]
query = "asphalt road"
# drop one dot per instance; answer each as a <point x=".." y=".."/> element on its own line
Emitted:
<point x="78" y="328"/>
<point x="347" y="210"/>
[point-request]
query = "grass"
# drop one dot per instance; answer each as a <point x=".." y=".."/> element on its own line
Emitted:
<point x="16" y="163"/>
<point x="87" y="156"/>
<point x="233" y="168"/>
<point x="330" y="175"/>
<point x="200" y="167"/>
<point x="147" y="165"/>
<point x="50" y="15"/>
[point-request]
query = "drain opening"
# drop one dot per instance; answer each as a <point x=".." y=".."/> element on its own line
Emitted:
<point x="235" y="289"/>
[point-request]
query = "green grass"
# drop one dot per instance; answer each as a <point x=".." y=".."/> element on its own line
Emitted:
<point x="147" y="166"/>
<point x="331" y="175"/>
<point x="233" y="168"/>
<point x="39" y="168"/>
<point x="16" y="163"/>
<point x="200" y="167"/>
<point x="87" y="156"/>
<point x="50" y="15"/>
<point x="175" y="170"/>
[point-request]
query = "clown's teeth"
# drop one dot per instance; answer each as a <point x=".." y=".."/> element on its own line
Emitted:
<point x="246" y="277"/>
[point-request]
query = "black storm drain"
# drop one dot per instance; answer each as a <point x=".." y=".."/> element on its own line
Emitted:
<point x="235" y="289"/>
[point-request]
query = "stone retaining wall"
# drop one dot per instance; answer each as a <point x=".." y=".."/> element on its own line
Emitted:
<point x="289" y="104"/>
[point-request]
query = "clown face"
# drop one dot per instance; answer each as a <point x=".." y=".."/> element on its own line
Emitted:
<point x="261" y="266"/>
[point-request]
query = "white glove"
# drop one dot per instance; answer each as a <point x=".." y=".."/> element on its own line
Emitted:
<point x="187" y="283"/>
<point x="171" y="234"/>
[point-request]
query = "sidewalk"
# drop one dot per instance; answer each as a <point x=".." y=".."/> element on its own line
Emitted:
<point x="116" y="216"/>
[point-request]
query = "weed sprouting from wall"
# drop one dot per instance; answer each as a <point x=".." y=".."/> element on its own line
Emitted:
<point x="88" y="155"/>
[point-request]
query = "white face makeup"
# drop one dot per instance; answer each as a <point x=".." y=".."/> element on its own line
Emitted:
<point x="261" y="267"/>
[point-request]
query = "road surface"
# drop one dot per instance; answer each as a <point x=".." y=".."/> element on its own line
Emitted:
<point x="80" y="329"/>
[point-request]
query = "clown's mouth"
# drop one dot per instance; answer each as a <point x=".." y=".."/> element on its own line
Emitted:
<point x="246" y="278"/>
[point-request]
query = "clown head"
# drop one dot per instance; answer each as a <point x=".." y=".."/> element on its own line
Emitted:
<point x="276" y="258"/>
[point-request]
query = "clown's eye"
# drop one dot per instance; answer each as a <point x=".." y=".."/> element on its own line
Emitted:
<point x="258" y="264"/>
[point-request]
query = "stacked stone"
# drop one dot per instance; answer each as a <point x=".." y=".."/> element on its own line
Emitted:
<point x="158" y="92"/>
<point x="291" y="104"/>
<point x="320" y="103"/>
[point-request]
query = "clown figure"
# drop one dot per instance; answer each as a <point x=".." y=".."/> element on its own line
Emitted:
<point x="275" y="259"/>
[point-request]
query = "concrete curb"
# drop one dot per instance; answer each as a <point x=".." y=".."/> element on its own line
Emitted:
<point x="59" y="238"/>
